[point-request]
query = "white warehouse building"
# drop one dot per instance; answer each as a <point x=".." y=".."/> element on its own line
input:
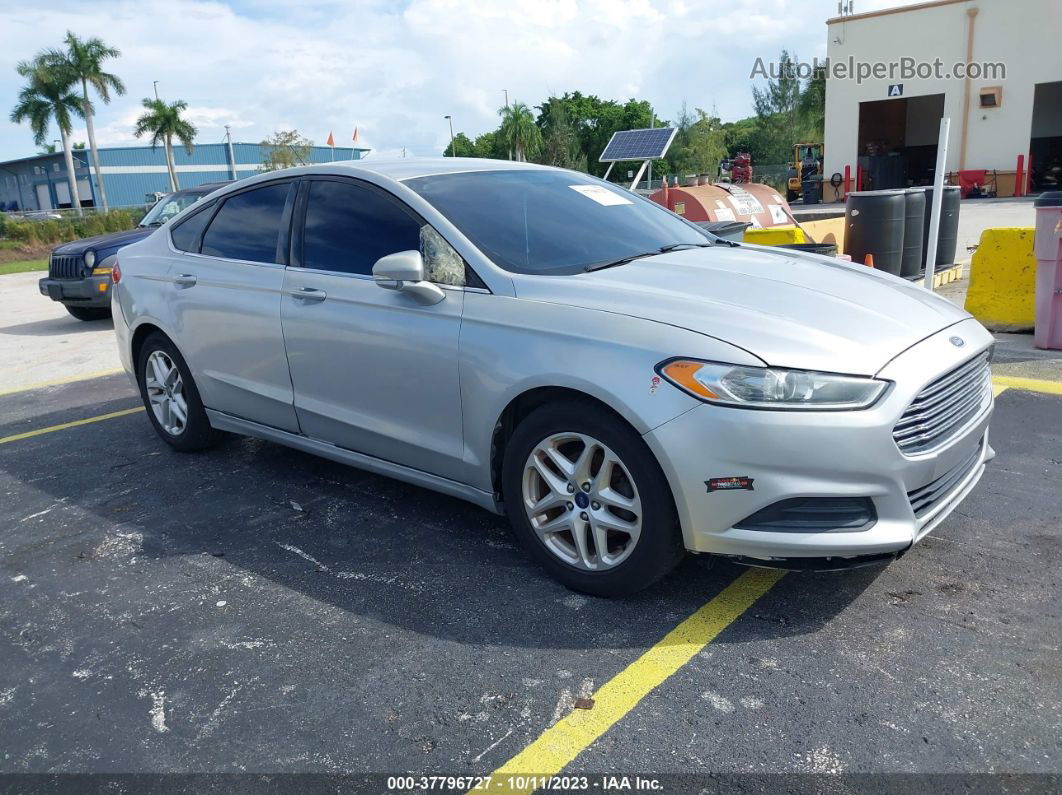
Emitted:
<point x="885" y="128"/>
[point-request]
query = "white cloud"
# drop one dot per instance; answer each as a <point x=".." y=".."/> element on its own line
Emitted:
<point x="394" y="70"/>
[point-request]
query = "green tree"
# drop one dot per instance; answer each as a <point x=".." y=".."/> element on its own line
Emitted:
<point x="560" y="144"/>
<point x="465" y="147"/>
<point x="285" y="149"/>
<point x="83" y="62"/>
<point x="519" y="131"/>
<point x="778" y="112"/>
<point x="698" y="146"/>
<point x="812" y="105"/>
<point x="490" y="145"/>
<point x="45" y="98"/>
<point x="163" y="121"/>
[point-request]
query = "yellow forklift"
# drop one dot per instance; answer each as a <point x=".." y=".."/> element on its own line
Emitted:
<point x="807" y="162"/>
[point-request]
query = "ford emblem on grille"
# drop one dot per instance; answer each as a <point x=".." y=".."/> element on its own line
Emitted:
<point x="958" y="342"/>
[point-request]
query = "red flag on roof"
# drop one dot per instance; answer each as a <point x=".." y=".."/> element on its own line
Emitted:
<point x="355" y="139"/>
<point x="331" y="141"/>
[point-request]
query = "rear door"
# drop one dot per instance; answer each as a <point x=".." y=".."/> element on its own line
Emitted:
<point x="226" y="303"/>
<point x="373" y="370"/>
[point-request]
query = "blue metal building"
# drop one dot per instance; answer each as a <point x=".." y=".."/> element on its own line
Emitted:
<point x="132" y="174"/>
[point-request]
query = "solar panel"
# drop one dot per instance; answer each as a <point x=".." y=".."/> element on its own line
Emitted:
<point x="649" y="144"/>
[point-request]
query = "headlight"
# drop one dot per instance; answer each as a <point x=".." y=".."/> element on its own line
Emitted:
<point x="90" y="258"/>
<point x="771" y="387"/>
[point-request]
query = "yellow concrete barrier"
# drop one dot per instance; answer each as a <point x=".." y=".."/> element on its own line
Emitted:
<point x="774" y="235"/>
<point x="1003" y="279"/>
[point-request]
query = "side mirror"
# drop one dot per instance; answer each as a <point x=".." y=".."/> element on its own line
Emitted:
<point x="404" y="272"/>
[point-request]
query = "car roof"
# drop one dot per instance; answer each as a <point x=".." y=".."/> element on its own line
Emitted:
<point x="206" y="187"/>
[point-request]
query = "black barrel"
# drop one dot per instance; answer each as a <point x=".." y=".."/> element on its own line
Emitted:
<point x="913" y="226"/>
<point x="811" y="190"/>
<point x="874" y="222"/>
<point x="948" y="237"/>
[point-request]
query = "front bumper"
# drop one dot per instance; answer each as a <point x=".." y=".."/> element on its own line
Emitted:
<point x="791" y="454"/>
<point x="92" y="291"/>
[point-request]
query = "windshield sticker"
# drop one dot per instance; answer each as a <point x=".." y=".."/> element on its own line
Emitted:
<point x="601" y="195"/>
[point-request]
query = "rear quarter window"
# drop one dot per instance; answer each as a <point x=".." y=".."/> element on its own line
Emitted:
<point x="186" y="233"/>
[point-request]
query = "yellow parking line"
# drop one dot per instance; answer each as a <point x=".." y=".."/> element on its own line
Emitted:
<point x="59" y="381"/>
<point x="1032" y="384"/>
<point x="998" y="390"/>
<point x="65" y="425"/>
<point x="558" y="745"/>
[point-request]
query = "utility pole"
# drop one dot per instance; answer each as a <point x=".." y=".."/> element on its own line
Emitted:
<point x="506" y="91"/>
<point x="232" y="157"/>
<point x="652" y="124"/>
<point x="155" y="83"/>
<point x="453" y="143"/>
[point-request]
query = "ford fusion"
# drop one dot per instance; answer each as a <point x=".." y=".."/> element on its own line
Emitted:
<point x="622" y="385"/>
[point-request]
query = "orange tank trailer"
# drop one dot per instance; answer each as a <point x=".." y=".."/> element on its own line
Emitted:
<point x="752" y="202"/>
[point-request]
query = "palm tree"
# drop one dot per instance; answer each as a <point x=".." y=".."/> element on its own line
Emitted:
<point x="83" y="61"/>
<point x="519" y="131"/>
<point x="164" y="122"/>
<point x="47" y="97"/>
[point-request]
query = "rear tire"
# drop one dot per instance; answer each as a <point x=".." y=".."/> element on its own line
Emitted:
<point x="791" y="195"/>
<point x="88" y="312"/>
<point x="596" y="504"/>
<point x="171" y="398"/>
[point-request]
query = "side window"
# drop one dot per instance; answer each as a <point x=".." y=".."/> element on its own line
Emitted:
<point x="247" y="226"/>
<point x="185" y="235"/>
<point x="348" y="227"/>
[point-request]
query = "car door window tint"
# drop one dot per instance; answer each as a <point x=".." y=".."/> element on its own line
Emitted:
<point x="247" y="225"/>
<point x="348" y="227"/>
<point x="185" y="235"/>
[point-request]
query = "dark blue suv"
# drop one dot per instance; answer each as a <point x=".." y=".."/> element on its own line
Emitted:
<point x="79" y="273"/>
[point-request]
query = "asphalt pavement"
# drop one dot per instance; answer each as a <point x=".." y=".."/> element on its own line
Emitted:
<point x="253" y="609"/>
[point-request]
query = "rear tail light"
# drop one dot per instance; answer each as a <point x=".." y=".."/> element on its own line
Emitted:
<point x="116" y="273"/>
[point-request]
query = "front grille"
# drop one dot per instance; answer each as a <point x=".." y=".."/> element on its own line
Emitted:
<point x="925" y="499"/>
<point x="66" y="266"/>
<point x="942" y="409"/>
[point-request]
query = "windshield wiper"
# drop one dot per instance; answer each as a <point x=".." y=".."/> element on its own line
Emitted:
<point x="662" y="250"/>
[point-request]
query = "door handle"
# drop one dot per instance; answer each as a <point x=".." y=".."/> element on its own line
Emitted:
<point x="308" y="294"/>
<point x="184" y="280"/>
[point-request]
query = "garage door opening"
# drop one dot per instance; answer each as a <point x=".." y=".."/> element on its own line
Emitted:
<point x="898" y="141"/>
<point x="1045" y="148"/>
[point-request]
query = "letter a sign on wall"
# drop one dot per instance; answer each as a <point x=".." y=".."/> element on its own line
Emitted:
<point x="896" y="90"/>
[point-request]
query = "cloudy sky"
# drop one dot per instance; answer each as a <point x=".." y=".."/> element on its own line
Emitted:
<point x="394" y="69"/>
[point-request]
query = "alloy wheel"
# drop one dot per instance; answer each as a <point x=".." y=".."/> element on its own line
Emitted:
<point x="581" y="501"/>
<point x="165" y="390"/>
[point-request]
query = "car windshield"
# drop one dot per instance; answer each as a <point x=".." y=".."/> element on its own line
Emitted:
<point x="554" y="222"/>
<point x="168" y="206"/>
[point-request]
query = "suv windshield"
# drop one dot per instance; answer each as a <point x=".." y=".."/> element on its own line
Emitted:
<point x="554" y="222"/>
<point x="168" y="206"/>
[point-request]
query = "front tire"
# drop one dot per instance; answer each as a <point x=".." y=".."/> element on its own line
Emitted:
<point x="588" y="500"/>
<point x="171" y="398"/>
<point x="88" y="312"/>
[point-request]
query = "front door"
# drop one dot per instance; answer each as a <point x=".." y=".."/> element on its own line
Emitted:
<point x="373" y="371"/>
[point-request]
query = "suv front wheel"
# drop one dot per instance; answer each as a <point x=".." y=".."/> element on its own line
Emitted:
<point x="88" y="312"/>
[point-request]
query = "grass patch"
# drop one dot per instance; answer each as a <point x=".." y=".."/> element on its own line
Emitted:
<point x="23" y="266"/>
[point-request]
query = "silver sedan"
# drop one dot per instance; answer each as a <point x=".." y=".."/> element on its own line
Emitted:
<point x="546" y="345"/>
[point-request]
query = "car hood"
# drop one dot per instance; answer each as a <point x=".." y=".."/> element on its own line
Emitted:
<point x="788" y="309"/>
<point x="105" y="243"/>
